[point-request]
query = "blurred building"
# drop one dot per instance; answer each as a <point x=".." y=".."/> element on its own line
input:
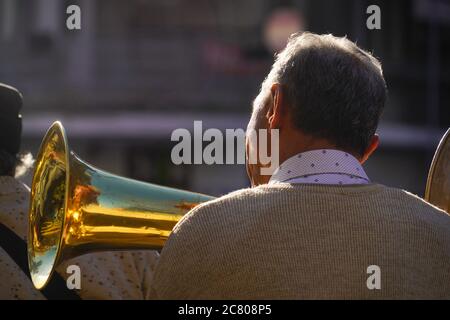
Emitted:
<point x="139" y="69"/>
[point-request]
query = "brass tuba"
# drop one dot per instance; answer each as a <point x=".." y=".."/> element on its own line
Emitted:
<point x="76" y="209"/>
<point x="437" y="190"/>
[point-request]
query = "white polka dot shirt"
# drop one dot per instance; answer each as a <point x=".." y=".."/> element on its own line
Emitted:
<point x="324" y="166"/>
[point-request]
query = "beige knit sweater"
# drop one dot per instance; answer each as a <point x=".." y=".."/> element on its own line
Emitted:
<point x="308" y="242"/>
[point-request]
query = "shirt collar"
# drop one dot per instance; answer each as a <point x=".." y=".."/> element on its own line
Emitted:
<point x="319" y="162"/>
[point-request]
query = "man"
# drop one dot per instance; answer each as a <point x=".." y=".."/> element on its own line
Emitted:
<point x="120" y="275"/>
<point x="317" y="228"/>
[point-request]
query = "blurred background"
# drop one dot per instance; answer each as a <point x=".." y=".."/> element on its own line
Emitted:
<point x="139" y="69"/>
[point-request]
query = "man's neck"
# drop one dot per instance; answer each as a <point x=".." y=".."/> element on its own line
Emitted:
<point x="299" y="143"/>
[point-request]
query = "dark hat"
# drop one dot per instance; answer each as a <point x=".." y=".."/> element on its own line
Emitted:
<point x="10" y="119"/>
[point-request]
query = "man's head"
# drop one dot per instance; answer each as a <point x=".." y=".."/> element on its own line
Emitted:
<point x="11" y="128"/>
<point x="322" y="92"/>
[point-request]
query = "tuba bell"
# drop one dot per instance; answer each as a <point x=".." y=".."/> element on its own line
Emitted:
<point x="76" y="209"/>
<point x="437" y="190"/>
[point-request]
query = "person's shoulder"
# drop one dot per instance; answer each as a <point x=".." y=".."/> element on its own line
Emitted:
<point x="413" y="199"/>
<point x="234" y="197"/>
<point x="247" y="197"/>
<point x="418" y="207"/>
<point x="221" y="211"/>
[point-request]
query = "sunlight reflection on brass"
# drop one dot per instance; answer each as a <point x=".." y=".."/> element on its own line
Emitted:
<point x="77" y="209"/>
<point x="437" y="190"/>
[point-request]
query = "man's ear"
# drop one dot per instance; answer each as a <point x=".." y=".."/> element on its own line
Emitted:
<point x="373" y="145"/>
<point x="275" y="112"/>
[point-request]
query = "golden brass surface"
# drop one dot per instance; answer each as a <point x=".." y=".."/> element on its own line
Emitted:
<point x="437" y="191"/>
<point x="76" y="209"/>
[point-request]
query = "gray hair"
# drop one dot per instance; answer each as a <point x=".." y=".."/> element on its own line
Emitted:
<point x="335" y="89"/>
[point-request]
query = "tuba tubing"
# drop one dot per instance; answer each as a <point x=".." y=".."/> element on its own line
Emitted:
<point x="76" y="209"/>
